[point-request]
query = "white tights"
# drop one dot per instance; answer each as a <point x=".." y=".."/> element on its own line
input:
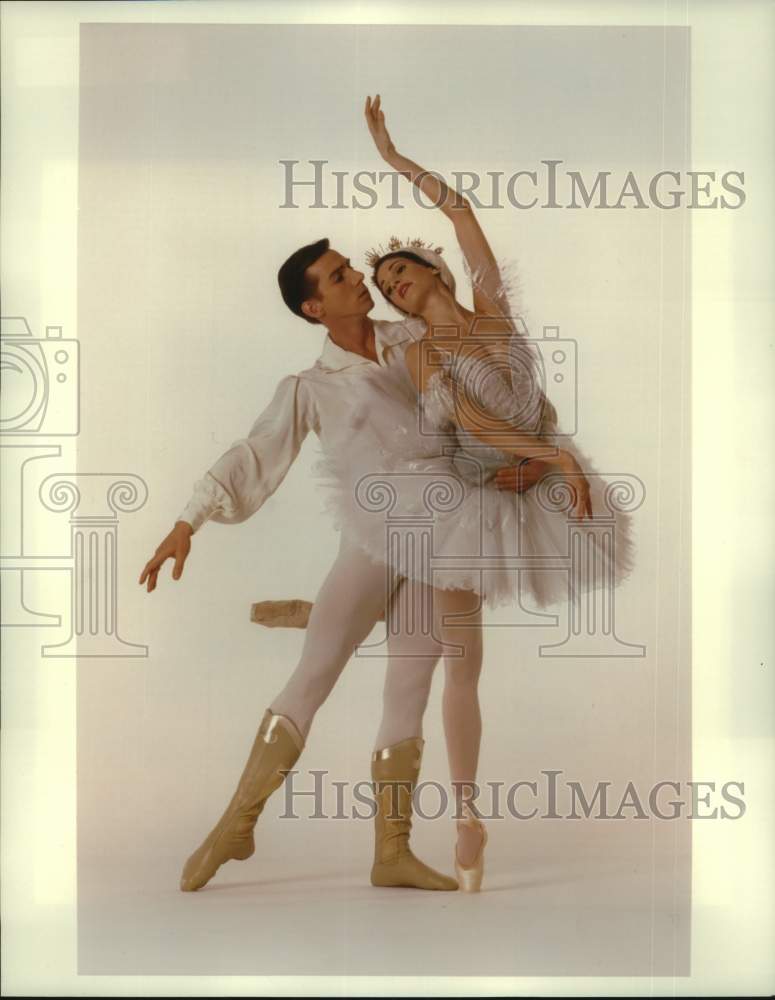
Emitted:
<point x="351" y="599"/>
<point x="348" y="605"/>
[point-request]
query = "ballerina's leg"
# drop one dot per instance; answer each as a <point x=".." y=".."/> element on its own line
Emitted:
<point x="460" y="703"/>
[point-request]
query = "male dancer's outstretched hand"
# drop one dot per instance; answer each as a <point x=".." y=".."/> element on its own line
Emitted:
<point x="175" y="546"/>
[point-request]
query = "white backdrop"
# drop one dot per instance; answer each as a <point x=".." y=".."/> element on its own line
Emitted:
<point x="184" y="336"/>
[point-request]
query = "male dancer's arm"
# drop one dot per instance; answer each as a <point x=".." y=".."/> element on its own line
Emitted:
<point x="242" y="479"/>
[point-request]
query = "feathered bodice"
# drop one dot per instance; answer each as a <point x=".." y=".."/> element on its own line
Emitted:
<point x="406" y="442"/>
<point x="472" y="381"/>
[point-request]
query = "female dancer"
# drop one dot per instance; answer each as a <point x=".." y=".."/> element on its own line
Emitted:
<point x="472" y="379"/>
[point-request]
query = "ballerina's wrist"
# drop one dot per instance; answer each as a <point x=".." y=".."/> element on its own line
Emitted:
<point x="564" y="461"/>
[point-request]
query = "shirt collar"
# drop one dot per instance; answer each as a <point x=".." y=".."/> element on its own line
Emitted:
<point x="386" y="334"/>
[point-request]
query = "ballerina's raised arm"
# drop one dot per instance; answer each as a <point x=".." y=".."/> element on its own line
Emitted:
<point x="489" y="295"/>
<point x="489" y="299"/>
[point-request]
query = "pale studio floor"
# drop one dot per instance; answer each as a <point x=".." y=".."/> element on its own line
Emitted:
<point x="560" y="898"/>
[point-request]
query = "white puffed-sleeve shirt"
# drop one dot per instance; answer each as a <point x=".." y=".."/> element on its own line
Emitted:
<point x="316" y="399"/>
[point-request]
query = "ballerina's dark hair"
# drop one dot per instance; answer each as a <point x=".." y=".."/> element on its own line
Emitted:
<point x="407" y="255"/>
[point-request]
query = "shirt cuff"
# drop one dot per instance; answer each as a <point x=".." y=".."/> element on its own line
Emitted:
<point x="208" y="498"/>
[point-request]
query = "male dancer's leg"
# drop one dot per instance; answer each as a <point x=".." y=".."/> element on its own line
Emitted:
<point x="350" y="601"/>
<point x="353" y="596"/>
<point x="413" y="656"/>
<point x="413" y="652"/>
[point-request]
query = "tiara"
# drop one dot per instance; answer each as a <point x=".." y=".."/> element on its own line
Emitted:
<point x="376" y="253"/>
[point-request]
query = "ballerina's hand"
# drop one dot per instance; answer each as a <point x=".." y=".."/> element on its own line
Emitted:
<point x="375" y="119"/>
<point x="579" y="484"/>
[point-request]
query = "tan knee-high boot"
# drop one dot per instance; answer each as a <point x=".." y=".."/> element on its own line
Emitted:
<point x="276" y="748"/>
<point x="394" y="771"/>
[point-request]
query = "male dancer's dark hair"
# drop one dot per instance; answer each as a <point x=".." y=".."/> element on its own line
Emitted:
<point x="295" y="286"/>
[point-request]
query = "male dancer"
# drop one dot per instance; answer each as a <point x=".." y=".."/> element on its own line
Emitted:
<point x="319" y="285"/>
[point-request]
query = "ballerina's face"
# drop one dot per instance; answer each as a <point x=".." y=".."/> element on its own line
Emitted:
<point x="405" y="283"/>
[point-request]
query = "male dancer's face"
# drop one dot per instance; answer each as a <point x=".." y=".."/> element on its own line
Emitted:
<point x="341" y="292"/>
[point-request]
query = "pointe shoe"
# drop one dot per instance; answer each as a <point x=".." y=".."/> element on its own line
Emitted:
<point x="394" y="771"/>
<point x="470" y="876"/>
<point x="276" y="748"/>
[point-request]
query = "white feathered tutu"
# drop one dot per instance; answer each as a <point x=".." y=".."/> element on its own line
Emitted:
<point x="417" y="493"/>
